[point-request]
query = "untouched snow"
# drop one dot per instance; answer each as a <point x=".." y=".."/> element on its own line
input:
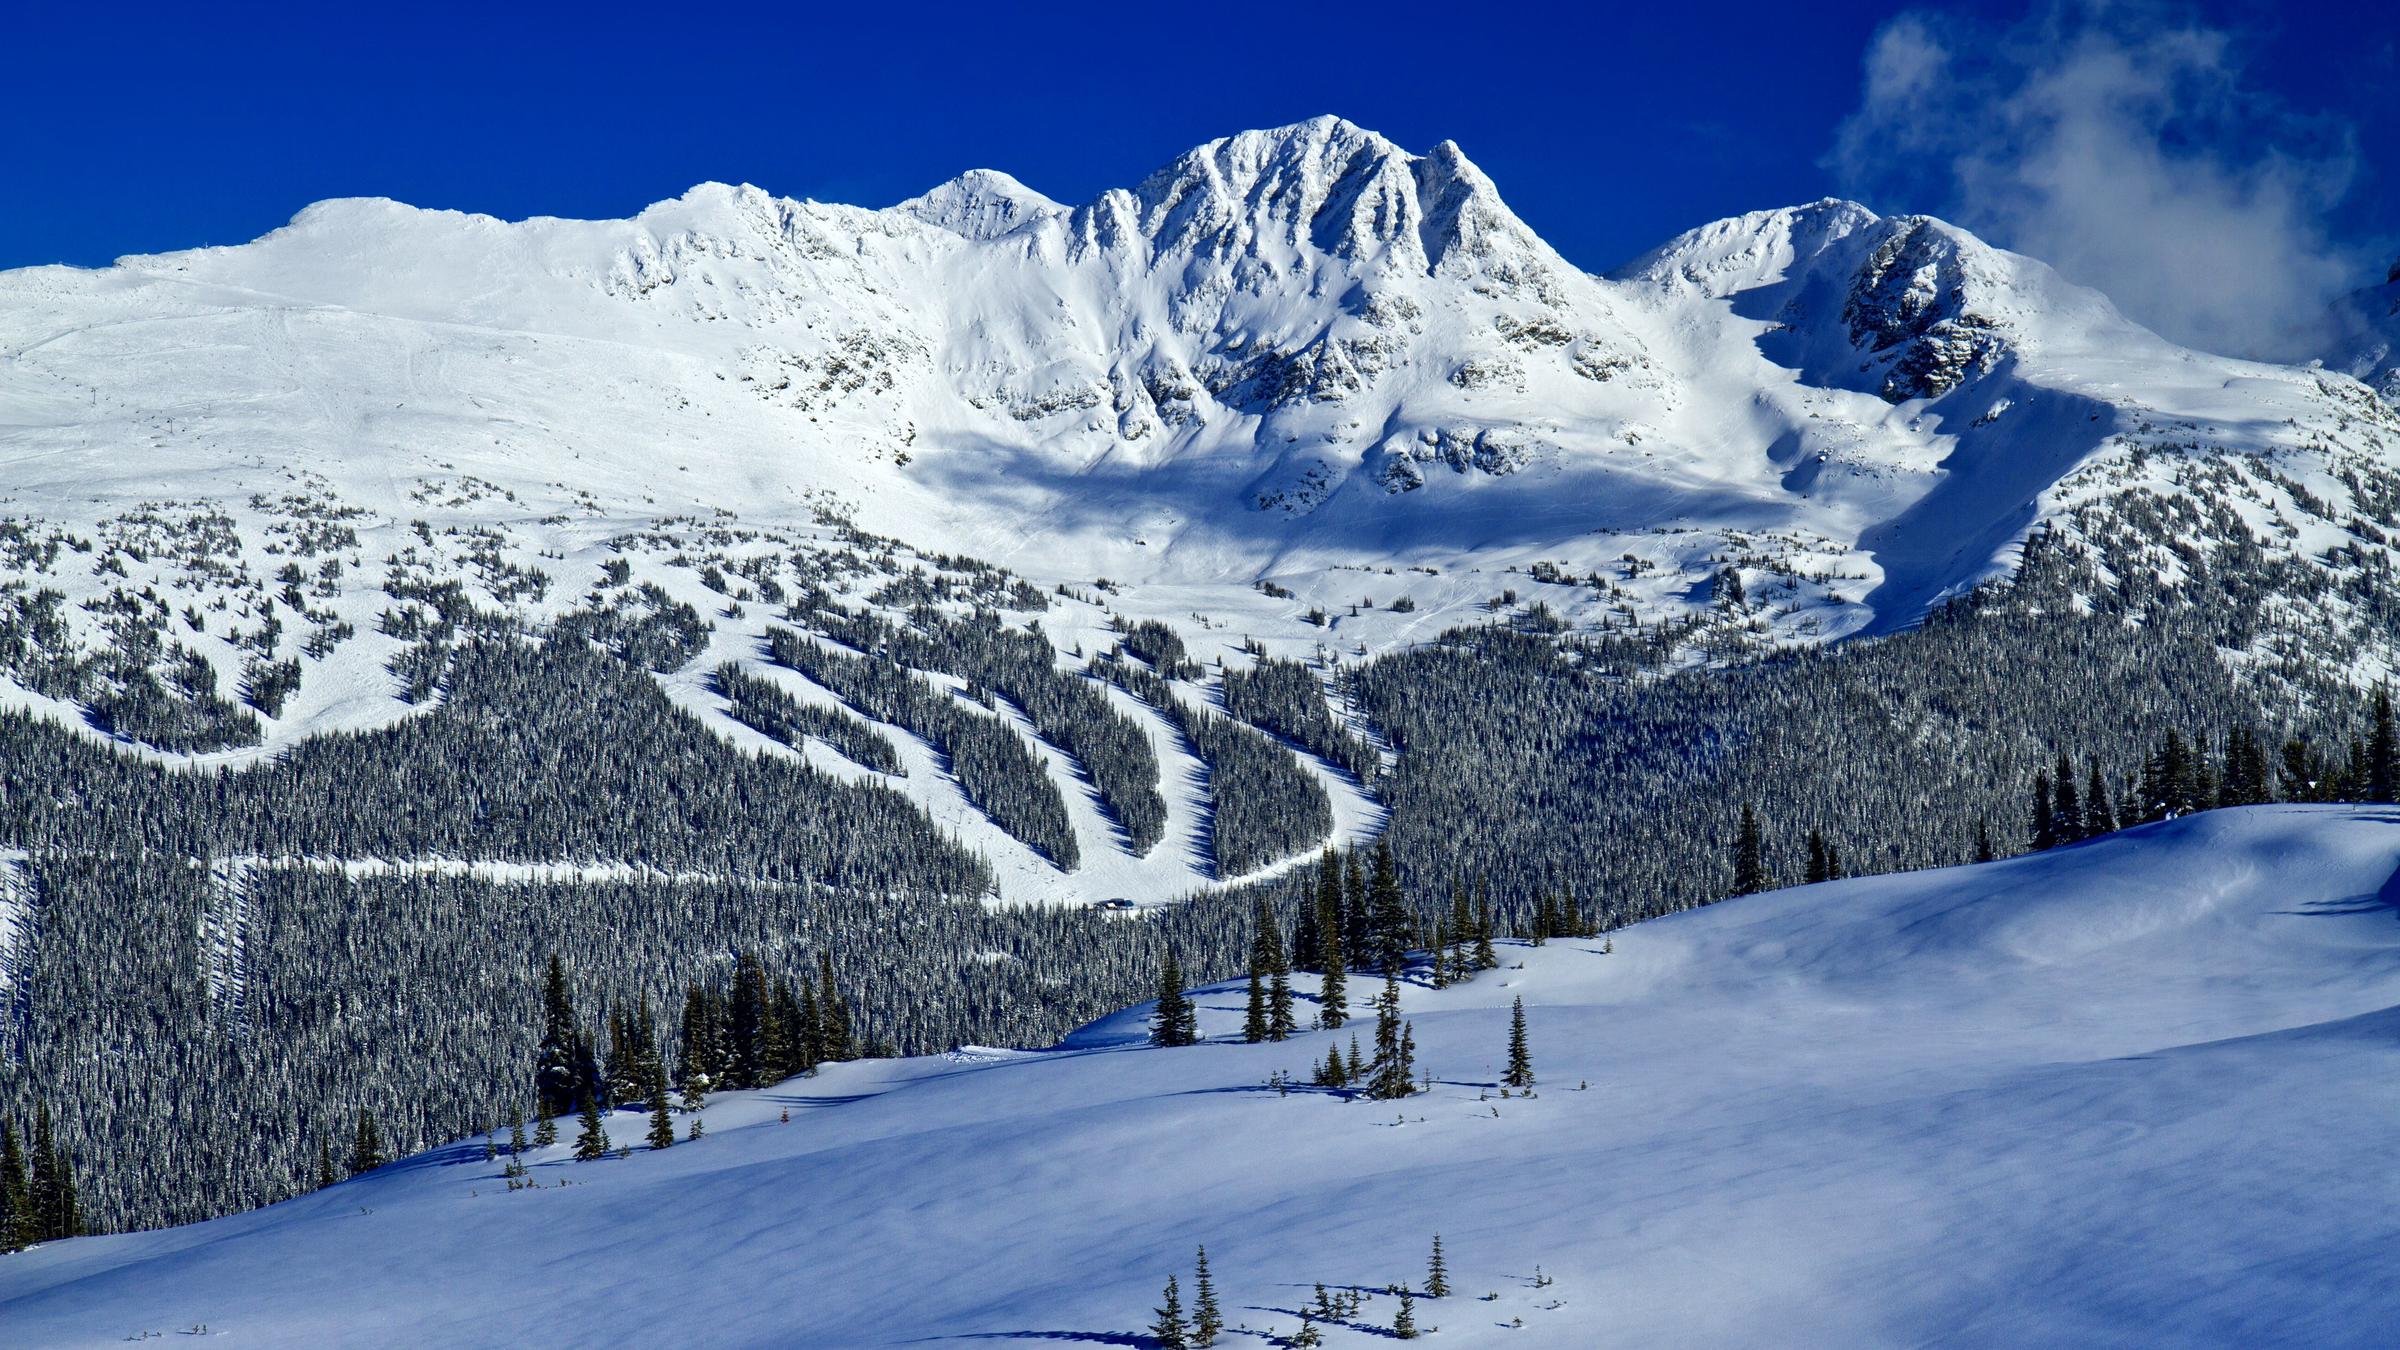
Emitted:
<point x="2139" y="1091"/>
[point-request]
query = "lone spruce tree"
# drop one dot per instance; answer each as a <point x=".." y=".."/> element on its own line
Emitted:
<point x="1520" y="1056"/>
<point x="1169" y="1330"/>
<point x="1175" y="1022"/>
<point x="1404" y="1322"/>
<point x="1437" y="1272"/>
<point x="1207" y="1318"/>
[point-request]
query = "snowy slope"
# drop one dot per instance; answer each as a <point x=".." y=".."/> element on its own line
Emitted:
<point x="1299" y="387"/>
<point x="2367" y="346"/>
<point x="2136" y="1091"/>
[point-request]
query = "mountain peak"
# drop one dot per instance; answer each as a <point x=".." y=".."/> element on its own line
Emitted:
<point x="980" y="204"/>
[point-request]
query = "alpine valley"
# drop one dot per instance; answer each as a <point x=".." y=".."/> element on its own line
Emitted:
<point x="461" y="672"/>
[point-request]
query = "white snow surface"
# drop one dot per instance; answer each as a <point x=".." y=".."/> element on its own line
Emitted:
<point x="2137" y="1091"/>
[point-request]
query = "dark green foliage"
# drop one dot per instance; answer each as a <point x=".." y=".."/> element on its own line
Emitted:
<point x="591" y="1139"/>
<point x="998" y="772"/>
<point x="1333" y="1007"/>
<point x="1069" y="711"/>
<point x="1282" y="697"/>
<point x="1207" y="1318"/>
<point x="1437" y="1272"/>
<point x="761" y="706"/>
<point x="1169" y="1330"/>
<point x="1175" y="1021"/>
<point x="1749" y="856"/>
<point x="1263" y="805"/>
<point x="1395" y="1044"/>
<point x="1520" y="1054"/>
<point x="366" y="1147"/>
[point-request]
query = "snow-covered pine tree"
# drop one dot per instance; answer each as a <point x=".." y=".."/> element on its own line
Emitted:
<point x="1437" y="1272"/>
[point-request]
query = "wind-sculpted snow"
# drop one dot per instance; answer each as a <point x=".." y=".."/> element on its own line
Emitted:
<point x="2115" y="1094"/>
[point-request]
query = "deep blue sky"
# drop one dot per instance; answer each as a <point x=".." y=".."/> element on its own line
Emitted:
<point x="1610" y="128"/>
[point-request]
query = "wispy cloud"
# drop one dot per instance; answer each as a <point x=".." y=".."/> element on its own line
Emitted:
<point x="2121" y="144"/>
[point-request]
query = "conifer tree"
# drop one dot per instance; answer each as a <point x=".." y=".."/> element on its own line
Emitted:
<point x="16" y="1192"/>
<point x="2383" y="752"/>
<point x="841" y="1041"/>
<point x="1984" y="852"/>
<point x="516" y="1131"/>
<point x="545" y="1132"/>
<point x="326" y="1176"/>
<point x="1358" y="930"/>
<point x="1749" y="856"/>
<point x="1307" y="1337"/>
<point x="2099" y="817"/>
<point x="1388" y="910"/>
<point x="1175" y="1022"/>
<point x="1485" y="957"/>
<point x="2065" y="806"/>
<point x="1520" y="1055"/>
<point x="2045" y="816"/>
<point x="1395" y="1073"/>
<point x="591" y="1142"/>
<point x="1281" y="1022"/>
<point x="1404" y="1322"/>
<point x="1333" y="1003"/>
<point x="558" y="1063"/>
<point x="366" y="1151"/>
<point x="749" y="1025"/>
<point x="1437" y="1272"/>
<point x="662" y="1122"/>
<point x="1816" y="869"/>
<point x="1254" y="1011"/>
<point x="1462" y="925"/>
<point x="1207" y="1318"/>
<point x="1169" y="1330"/>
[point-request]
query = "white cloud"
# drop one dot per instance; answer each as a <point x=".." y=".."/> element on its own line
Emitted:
<point x="2120" y="144"/>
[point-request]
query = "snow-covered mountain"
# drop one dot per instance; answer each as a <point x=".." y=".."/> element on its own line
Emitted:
<point x="2367" y="328"/>
<point x="1300" y="392"/>
<point x="2129" y="1092"/>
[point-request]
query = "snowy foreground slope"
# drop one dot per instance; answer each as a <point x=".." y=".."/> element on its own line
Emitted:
<point x="2142" y="1090"/>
